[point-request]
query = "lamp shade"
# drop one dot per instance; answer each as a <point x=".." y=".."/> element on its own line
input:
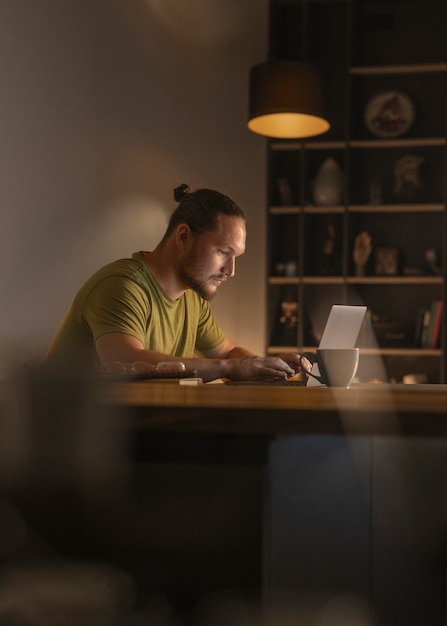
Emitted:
<point x="286" y="100"/>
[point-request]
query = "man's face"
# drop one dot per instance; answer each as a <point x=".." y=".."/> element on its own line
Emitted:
<point x="209" y="258"/>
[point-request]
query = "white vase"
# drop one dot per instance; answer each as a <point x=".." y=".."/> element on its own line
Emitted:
<point x="328" y="184"/>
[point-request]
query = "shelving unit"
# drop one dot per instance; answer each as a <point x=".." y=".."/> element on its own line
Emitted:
<point x="366" y="48"/>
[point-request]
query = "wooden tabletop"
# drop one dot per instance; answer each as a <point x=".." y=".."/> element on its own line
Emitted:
<point x="217" y="408"/>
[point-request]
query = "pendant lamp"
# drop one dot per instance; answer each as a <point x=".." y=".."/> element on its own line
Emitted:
<point x="286" y="100"/>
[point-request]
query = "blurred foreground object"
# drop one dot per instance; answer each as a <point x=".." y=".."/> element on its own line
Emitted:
<point x="62" y="594"/>
<point x="55" y="435"/>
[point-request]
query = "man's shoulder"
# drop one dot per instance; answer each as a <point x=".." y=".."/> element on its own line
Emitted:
<point x="121" y="267"/>
<point x="116" y="275"/>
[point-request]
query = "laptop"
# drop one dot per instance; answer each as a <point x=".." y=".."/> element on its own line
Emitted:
<point x="341" y="331"/>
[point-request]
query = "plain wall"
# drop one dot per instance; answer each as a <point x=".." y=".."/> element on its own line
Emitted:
<point x="106" y="106"/>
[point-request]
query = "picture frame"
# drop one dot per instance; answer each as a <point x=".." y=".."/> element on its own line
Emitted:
<point x="387" y="261"/>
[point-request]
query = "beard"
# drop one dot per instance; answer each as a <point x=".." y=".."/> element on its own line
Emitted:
<point x="199" y="286"/>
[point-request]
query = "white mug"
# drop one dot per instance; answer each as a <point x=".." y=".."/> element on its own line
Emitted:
<point x="337" y="366"/>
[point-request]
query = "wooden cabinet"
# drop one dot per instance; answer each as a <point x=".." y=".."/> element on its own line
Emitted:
<point x="385" y="66"/>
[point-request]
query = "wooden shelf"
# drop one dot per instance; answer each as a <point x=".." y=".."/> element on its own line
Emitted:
<point x="324" y="209"/>
<point x="382" y="70"/>
<point x="284" y="280"/>
<point x="356" y="280"/>
<point x="284" y="210"/>
<point x="323" y="280"/>
<point x="395" y="280"/>
<point x="434" y="207"/>
<point x="421" y="207"/>
<point x="405" y="142"/>
<point x="414" y="142"/>
<point x="287" y="144"/>
<point x="417" y="352"/>
<point x="407" y="352"/>
<point x="359" y="62"/>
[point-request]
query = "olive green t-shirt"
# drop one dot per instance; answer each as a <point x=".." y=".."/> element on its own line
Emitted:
<point x="124" y="297"/>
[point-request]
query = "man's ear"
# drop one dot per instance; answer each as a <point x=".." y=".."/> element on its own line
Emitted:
<point x="183" y="234"/>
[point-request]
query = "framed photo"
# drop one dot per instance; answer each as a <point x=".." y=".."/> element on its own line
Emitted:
<point x="387" y="261"/>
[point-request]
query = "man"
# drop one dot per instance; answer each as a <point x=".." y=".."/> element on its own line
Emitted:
<point x="155" y="306"/>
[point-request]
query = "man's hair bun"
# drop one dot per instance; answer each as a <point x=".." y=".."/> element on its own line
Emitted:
<point x="180" y="192"/>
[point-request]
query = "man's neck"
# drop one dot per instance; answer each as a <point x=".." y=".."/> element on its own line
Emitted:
<point x="160" y="264"/>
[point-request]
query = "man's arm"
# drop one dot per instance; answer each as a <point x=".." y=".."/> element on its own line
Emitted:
<point x="225" y="361"/>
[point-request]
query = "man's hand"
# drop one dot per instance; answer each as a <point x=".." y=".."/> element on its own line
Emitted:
<point x="226" y="361"/>
<point x="294" y="360"/>
<point x="268" y="368"/>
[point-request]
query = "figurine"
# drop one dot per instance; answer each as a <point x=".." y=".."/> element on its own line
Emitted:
<point x="328" y="261"/>
<point x="361" y="252"/>
<point x="289" y="314"/>
<point x="285" y="330"/>
<point x="433" y="262"/>
<point x="408" y="177"/>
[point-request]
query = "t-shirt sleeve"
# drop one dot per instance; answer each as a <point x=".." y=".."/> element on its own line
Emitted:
<point x="209" y="333"/>
<point x="117" y="305"/>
